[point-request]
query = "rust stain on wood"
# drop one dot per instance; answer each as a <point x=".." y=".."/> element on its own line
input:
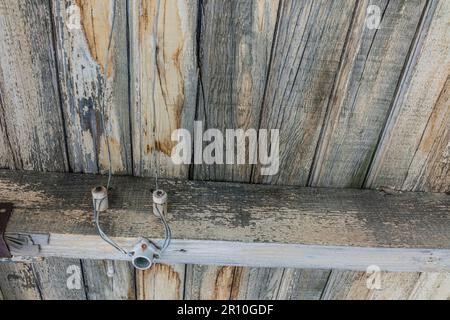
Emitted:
<point x="96" y="23"/>
<point x="223" y="284"/>
<point x="166" y="283"/>
<point x="169" y="94"/>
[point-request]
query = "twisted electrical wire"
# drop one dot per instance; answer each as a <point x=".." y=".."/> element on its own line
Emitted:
<point x="103" y="102"/>
<point x="167" y="230"/>
<point x="100" y="231"/>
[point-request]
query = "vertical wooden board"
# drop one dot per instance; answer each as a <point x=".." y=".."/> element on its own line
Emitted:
<point x="82" y="30"/>
<point x="414" y="150"/>
<point x="60" y="279"/>
<point x="310" y="38"/>
<point x="120" y="285"/>
<point x="279" y="284"/>
<point x="235" y="52"/>
<point x="208" y="282"/>
<point x="257" y="283"/>
<point x="430" y="168"/>
<point x="349" y="285"/>
<point x="17" y="282"/>
<point x="161" y="282"/>
<point x="32" y="135"/>
<point x="302" y="284"/>
<point x="235" y="43"/>
<point x="417" y="125"/>
<point x="163" y="81"/>
<point x="432" y="286"/>
<point x="365" y="89"/>
<point x="307" y="49"/>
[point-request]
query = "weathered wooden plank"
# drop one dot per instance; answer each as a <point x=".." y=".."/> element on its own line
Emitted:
<point x="109" y="280"/>
<point x="257" y="283"/>
<point x="405" y="230"/>
<point x="209" y="282"/>
<point x="347" y="285"/>
<point x="235" y="41"/>
<point x="302" y="284"/>
<point x="82" y="54"/>
<point x="278" y="284"/>
<point x="417" y="170"/>
<point x="432" y="286"/>
<point x="17" y="282"/>
<point x="31" y="130"/>
<point x="163" y="97"/>
<point x="365" y="89"/>
<point x="235" y="52"/>
<point x="309" y="42"/>
<point x="163" y="81"/>
<point x="161" y="282"/>
<point x="231" y="211"/>
<point x="230" y="95"/>
<point x="60" y="279"/>
<point x="413" y="152"/>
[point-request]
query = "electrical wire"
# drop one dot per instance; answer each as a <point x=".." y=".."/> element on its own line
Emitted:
<point x="167" y="230"/>
<point x="103" y="102"/>
<point x="155" y="69"/>
<point x="100" y="231"/>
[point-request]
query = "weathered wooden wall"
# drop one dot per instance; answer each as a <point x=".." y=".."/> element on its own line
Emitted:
<point x="356" y="107"/>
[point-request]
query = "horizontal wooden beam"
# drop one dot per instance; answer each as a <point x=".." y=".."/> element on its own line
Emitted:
<point x="233" y="224"/>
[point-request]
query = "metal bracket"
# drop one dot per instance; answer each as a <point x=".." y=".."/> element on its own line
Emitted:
<point x="5" y="213"/>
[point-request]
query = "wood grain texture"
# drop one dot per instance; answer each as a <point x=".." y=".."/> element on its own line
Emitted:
<point x="17" y="282"/>
<point x="163" y="85"/>
<point x="405" y="123"/>
<point x="235" y="53"/>
<point x="432" y="286"/>
<point x="235" y="41"/>
<point x="118" y="285"/>
<point x="407" y="231"/>
<point x="53" y="276"/>
<point x="163" y="81"/>
<point x="82" y="56"/>
<point x="413" y="152"/>
<point x="365" y="89"/>
<point x="278" y="284"/>
<point x="257" y="283"/>
<point x="307" y="50"/>
<point x="347" y="285"/>
<point x="231" y="211"/>
<point x="31" y="131"/>
<point x="209" y="282"/>
<point x="161" y="282"/>
<point x="302" y="284"/>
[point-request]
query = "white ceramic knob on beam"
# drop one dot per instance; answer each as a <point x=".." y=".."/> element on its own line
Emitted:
<point x="100" y="197"/>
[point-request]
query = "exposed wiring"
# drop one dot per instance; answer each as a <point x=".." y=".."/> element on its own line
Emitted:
<point x="167" y="232"/>
<point x="100" y="231"/>
<point x="103" y="102"/>
<point x="98" y="202"/>
<point x="155" y="70"/>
